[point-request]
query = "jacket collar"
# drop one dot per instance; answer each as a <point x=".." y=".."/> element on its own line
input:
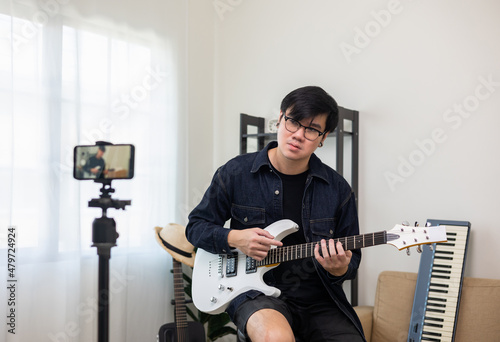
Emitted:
<point x="316" y="166"/>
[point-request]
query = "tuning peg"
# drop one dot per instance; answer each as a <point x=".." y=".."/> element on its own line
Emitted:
<point x="419" y="249"/>
<point x="408" y="251"/>
<point x="405" y="223"/>
<point x="416" y="224"/>
<point x="428" y="224"/>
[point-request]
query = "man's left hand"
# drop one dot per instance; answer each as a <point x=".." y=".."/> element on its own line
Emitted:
<point x="334" y="260"/>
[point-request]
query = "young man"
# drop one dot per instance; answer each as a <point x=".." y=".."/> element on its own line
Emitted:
<point x="287" y="181"/>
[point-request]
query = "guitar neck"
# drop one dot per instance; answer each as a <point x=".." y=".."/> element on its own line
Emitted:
<point x="306" y="250"/>
<point x="180" y="308"/>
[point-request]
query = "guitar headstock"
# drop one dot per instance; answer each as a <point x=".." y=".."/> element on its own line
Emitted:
<point x="403" y="236"/>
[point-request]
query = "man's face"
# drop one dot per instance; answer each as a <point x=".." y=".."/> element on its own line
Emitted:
<point x="294" y="146"/>
<point x="99" y="154"/>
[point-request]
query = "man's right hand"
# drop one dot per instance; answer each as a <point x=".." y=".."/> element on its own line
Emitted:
<point x="254" y="242"/>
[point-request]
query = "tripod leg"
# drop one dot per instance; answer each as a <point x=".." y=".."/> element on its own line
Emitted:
<point x="103" y="300"/>
<point x="104" y="236"/>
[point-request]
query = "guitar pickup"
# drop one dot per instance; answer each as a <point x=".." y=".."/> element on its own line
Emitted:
<point x="251" y="265"/>
<point x="232" y="265"/>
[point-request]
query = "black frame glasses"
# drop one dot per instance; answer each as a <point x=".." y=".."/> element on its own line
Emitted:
<point x="293" y="126"/>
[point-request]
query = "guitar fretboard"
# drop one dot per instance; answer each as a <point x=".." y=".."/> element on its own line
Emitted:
<point x="306" y="250"/>
<point x="180" y="309"/>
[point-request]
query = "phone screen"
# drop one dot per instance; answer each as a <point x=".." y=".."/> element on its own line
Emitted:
<point x="103" y="162"/>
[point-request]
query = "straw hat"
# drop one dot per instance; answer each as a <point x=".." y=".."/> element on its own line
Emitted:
<point x="173" y="239"/>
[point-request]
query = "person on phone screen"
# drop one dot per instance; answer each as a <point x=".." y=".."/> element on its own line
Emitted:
<point x="96" y="165"/>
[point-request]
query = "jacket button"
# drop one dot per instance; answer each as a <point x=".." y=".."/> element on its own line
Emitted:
<point x="245" y="219"/>
<point x="331" y="231"/>
<point x="277" y="192"/>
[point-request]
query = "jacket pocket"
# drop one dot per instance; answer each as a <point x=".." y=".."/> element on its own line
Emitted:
<point x="323" y="228"/>
<point x="248" y="216"/>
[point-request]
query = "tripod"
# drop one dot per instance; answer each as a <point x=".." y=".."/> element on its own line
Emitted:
<point x="104" y="237"/>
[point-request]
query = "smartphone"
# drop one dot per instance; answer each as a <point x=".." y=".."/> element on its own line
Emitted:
<point x="103" y="162"/>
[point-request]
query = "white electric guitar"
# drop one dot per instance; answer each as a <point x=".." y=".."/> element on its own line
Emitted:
<point x="219" y="278"/>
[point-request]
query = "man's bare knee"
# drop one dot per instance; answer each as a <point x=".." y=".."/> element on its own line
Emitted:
<point x="269" y="325"/>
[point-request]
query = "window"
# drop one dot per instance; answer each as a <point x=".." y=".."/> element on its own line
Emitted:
<point x="66" y="85"/>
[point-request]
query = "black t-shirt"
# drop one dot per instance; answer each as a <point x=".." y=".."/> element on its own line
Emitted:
<point x="297" y="279"/>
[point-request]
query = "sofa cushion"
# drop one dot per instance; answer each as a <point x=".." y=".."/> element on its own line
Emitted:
<point x="365" y="314"/>
<point x="479" y="313"/>
<point x="393" y="305"/>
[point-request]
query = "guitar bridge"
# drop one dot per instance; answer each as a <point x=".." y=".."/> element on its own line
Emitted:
<point x="251" y="265"/>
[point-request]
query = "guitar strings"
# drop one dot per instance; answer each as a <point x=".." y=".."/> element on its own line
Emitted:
<point x="288" y="253"/>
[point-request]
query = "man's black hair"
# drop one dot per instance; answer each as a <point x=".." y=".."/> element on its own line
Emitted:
<point x="309" y="102"/>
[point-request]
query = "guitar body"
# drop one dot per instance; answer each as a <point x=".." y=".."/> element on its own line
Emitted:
<point x="195" y="333"/>
<point x="214" y="287"/>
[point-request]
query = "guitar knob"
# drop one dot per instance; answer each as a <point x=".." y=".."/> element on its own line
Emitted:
<point x="221" y="287"/>
<point x="213" y="300"/>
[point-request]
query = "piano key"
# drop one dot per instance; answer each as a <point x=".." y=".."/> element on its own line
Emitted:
<point x="452" y="273"/>
<point x="446" y="315"/>
<point x="446" y="264"/>
<point x="440" y="312"/>
<point x="453" y="283"/>
<point x="446" y="330"/>
<point x="430" y="339"/>
<point x="435" y="300"/>
<point x="443" y="327"/>
<point x="438" y="332"/>
<point x="447" y="292"/>
<point x="448" y="250"/>
<point x="451" y="280"/>
<point x="448" y="301"/>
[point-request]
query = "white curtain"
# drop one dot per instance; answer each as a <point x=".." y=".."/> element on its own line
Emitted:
<point x="73" y="72"/>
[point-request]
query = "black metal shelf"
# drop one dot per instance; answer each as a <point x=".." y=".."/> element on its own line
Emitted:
<point x="339" y="134"/>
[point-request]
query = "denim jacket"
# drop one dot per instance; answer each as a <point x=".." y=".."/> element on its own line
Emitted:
<point x="247" y="192"/>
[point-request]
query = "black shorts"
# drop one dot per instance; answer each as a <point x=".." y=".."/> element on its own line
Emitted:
<point x="316" y="322"/>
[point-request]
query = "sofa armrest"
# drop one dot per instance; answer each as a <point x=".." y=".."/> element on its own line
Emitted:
<point x="365" y="314"/>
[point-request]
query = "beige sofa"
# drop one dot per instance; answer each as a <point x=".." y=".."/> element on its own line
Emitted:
<point x="389" y="319"/>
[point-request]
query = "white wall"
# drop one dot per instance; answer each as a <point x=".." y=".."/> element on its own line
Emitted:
<point x="407" y="80"/>
<point x="200" y="106"/>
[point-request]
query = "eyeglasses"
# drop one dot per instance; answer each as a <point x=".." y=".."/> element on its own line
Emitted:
<point x="293" y="126"/>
